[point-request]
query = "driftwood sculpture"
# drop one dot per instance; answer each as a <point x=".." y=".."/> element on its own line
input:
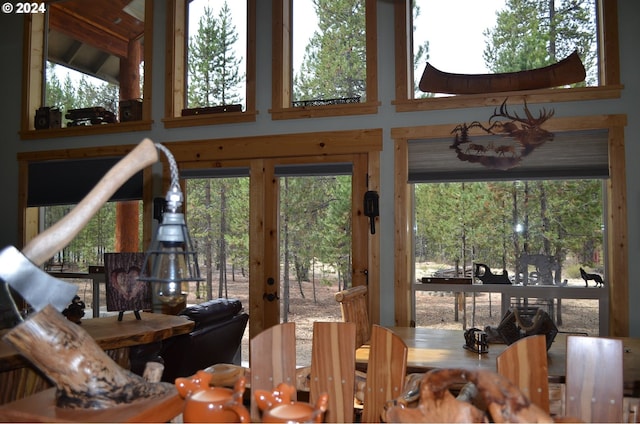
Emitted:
<point x="496" y="400"/>
<point x="84" y="375"/>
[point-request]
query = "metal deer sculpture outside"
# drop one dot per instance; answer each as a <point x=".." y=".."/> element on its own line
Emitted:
<point x="521" y="136"/>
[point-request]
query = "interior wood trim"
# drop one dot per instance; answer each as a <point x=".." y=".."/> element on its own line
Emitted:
<point x="616" y="191"/>
<point x="279" y="145"/>
<point x="403" y="260"/>
<point x="32" y="83"/>
<point x="617" y="241"/>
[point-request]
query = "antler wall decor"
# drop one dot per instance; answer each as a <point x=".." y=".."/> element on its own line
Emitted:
<point x="519" y="137"/>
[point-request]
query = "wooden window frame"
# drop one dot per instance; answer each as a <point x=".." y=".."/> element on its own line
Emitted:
<point x="281" y="107"/>
<point x="176" y="71"/>
<point x="609" y="72"/>
<point x="33" y="84"/>
<point x="615" y="200"/>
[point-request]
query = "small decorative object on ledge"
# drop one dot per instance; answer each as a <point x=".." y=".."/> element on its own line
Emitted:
<point x="446" y="280"/>
<point x="484" y="274"/>
<point x="90" y="116"/>
<point x="517" y="141"/>
<point x="597" y="278"/>
<point x="211" y="110"/>
<point x="326" y="102"/>
<point x="130" y="110"/>
<point x="75" y="311"/>
<point x="48" y="117"/>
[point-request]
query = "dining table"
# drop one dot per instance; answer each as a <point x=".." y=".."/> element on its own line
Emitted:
<point x="430" y="348"/>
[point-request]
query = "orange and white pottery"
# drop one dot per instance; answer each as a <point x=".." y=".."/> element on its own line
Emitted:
<point x="205" y="403"/>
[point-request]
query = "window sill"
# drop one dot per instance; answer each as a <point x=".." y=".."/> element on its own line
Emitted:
<point x="531" y="96"/>
<point x="302" y="112"/>
<point x="211" y="119"/>
<point x="119" y="127"/>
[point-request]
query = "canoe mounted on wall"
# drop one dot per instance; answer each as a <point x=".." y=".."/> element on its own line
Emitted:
<point x="567" y="71"/>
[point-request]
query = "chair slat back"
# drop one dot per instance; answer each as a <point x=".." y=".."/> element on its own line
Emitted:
<point x="594" y="379"/>
<point x="333" y="363"/>
<point x="524" y="363"/>
<point x="272" y="360"/>
<point x="354" y="305"/>
<point x="386" y="372"/>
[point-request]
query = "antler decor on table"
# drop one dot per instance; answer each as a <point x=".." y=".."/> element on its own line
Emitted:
<point x="521" y="135"/>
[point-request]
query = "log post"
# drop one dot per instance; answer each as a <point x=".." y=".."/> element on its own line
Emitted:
<point x="84" y="375"/>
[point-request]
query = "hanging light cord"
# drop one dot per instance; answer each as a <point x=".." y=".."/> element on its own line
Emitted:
<point x="174" y="195"/>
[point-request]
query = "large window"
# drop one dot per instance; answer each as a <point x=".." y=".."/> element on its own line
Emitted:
<point x="325" y="59"/>
<point x="482" y="38"/>
<point x="89" y="68"/>
<point x="210" y="63"/>
<point x="586" y="139"/>
<point x="216" y="49"/>
<point x="531" y="232"/>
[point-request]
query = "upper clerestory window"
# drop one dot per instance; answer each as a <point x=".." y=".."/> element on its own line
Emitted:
<point x="548" y="51"/>
<point x="324" y="58"/>
<point x="211" y="63"/>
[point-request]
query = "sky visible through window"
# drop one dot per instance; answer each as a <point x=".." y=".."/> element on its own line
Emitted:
<point x="238" y="17"/>
<point x="454" y="31"/>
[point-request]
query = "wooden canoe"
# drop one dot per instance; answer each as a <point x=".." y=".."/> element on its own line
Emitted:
<point x="567" y="71"/>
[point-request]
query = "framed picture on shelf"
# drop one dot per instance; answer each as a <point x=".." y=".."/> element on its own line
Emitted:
<point x="124" y="291"/>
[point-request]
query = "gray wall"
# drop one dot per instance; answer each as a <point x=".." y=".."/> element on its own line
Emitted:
<point x="11" y="72"/>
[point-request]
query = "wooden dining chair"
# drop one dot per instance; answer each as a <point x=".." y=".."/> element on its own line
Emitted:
<point x="524" y="363"/>
<point x="333" y="366"/>
<point x="354" y="305"/>
<point x="272" y="360"/>
<point x="594" y="379"/>
<point x="386" y="372"/>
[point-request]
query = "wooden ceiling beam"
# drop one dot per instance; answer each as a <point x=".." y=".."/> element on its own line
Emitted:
<point x="85" y="32"/>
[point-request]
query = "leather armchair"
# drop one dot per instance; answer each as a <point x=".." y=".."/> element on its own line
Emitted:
<point x="216" y="338"/>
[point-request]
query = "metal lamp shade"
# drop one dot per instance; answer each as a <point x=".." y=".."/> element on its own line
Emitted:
<point x="171" y="261"/>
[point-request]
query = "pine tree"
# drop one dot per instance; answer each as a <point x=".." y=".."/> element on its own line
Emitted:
<point x="533" y="33"/>
<point x="213" y="68"/>
<point x="334" y="64"/>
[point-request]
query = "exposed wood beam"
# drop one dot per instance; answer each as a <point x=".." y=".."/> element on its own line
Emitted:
<point x="72" y="52"/>
<point x="84" y="31"/>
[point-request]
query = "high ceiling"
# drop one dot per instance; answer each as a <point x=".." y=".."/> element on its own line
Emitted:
<point x="91" y="37"/>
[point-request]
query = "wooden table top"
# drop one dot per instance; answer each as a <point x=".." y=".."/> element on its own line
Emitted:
<point x="433" y="348"/>
<point x="110" y="333"/>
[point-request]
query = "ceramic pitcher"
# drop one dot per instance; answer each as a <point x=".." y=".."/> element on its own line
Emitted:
<point x="205" y="403"/>
<point x="277" y="406"/>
